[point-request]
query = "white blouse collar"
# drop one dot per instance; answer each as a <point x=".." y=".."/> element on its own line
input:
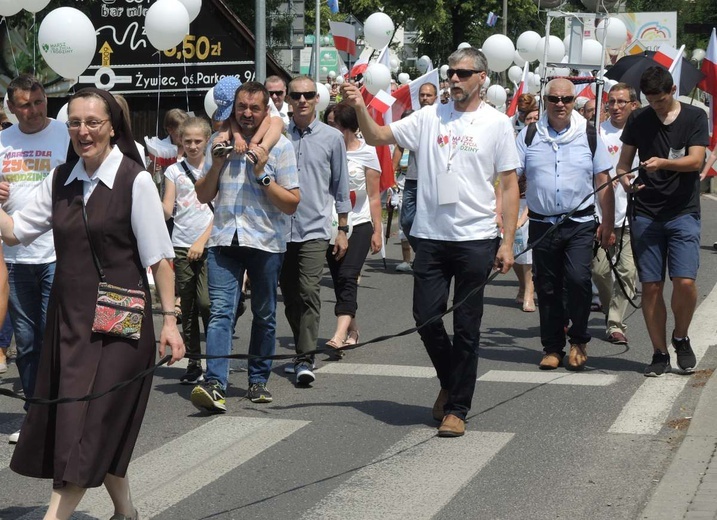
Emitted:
<point x="105" y="173"/>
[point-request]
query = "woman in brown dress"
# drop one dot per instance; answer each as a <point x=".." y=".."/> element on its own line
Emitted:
<point x="87" y="444"/>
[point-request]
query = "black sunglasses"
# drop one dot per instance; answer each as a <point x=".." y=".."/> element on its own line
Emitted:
<point x="557" y="99"/>
<point x="276" y="92"/>
<point x="5" y="125"/>
<point x="462" y="73"/>
<point x="296" y="96"/>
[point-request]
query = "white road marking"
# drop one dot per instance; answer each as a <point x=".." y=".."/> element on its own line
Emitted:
<point x="169" y="474"/>
<point x="414" y="479"/>
<point x="358" y="369"/>
<point x="647" y="409"/>
<point x="548" y="378"/>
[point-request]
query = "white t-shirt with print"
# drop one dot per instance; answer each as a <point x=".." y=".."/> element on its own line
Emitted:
<point x="358" y="161"/>
<point x="611" y="137"/>
<point x="192" y="217"/>
<point x="27" y="159"/>
<point x="467" y="149"/>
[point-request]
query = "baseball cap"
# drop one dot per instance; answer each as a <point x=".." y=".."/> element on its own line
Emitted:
<point x="224" y="92"/>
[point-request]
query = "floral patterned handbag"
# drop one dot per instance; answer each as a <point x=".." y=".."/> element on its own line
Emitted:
<point x="118" y="311"/>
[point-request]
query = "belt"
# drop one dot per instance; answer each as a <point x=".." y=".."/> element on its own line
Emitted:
<point x="589" y="211"/>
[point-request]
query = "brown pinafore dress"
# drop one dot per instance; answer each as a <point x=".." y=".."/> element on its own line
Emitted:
<point x="81" y="442"/>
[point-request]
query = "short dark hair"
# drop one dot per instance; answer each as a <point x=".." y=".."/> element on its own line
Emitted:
<point x="435" y="90"/>
<point x="275" y="79"/>
<point x="624" y="86"/>
<point x="253" y="87"/>
<point x="345" y="116"/>
<point x="23" y="82"/>
<point x="656" y="80"/>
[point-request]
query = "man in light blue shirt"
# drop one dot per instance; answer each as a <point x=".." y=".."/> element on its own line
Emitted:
<point x="561" y="171"/>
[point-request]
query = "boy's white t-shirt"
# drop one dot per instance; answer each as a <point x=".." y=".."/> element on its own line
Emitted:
<point x="27" y="159"/>
<point x="192" y="217"/>
<point x="358" y="161"/>
<point x="477" y="145"/>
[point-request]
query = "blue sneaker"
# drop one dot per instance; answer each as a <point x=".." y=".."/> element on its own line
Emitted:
<point x="304" y="375"/>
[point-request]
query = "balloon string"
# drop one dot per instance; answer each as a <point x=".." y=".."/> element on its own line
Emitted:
<point x="9" y="41"/>
<point x="186" y="86"/>
<point x="159" y="82"/>
<point x="34" y="44"/>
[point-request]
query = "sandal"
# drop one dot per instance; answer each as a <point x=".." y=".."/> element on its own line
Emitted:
<point x="335" y="353"/>
<point x="352" y="338"/>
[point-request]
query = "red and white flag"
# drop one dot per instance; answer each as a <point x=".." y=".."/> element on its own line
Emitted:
<point x="359" y="67"/>
<point x="709" y="85"/>
<point x="407" y="95"/>
<point x="522" y="87"/>
<point x="671" y="59"/>
<point x="344" y="36"/>
<point x="382" y="102"/>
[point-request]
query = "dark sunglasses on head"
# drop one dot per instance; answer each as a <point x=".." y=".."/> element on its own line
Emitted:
<point x="557" y="99"/>
<point x="276" y="92"/>
<point x="462" y="73"/>
<point x="296" y="96"/>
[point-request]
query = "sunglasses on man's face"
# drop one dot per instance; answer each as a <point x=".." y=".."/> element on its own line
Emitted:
<point x="566" y="100"/>
<point x="296" y="96"/>
<point x="276" y="93"/>
<point x="462" y="73"/>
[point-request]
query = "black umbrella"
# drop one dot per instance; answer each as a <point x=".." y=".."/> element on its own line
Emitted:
<point x="629" y="69"/>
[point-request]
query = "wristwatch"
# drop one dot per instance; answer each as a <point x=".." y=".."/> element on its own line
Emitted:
<point x="264" y="180"/>
<point x="345" y="229"/>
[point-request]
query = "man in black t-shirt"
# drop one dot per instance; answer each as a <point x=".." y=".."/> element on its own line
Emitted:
<point x="664" y="212"/>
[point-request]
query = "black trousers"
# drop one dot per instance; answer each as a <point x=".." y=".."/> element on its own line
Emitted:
<point x="437" y="263"/>
<point x="561" y="262"/>
<point x="345" y="272"/>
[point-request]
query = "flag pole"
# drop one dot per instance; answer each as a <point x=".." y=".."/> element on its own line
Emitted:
<point x="317" y="35"/>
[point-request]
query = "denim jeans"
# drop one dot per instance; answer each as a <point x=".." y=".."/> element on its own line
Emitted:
<point x="225" y="269"/>
<point x="408" y="211"/>
<point x="30" y="286"/>
<point x="437" y="263"/>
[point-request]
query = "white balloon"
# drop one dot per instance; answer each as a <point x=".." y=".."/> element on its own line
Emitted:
<point x="464" y="45"/>
<point x="328" y="86"/>
<point x="423" y="64"/>
<point x="533" y="83"/>
<point x="209" y="104"/>
<point x="395" y="64"/>
<point x="62" y="113"/>
<point x="193" y="7"/>
<point x="525" y="45"/>
<point x="377" y="77"/>
<point x="443" y="71"/>
<point x="486" y="83"/>
<point x="698" y="54"/>
<point x="499" y="51"/>
<point x="404" y="78"/>
<point x="166" y="24"/>
<point x="324" y="97"/>
<point x="609" y="83"/>
<point x="560" y="71"/>
<point x="613" y="30"/>
<point x="515" y="74"/>
<point x="9" y="8"/>
<point x="592" y="52"/>
<point x="339" y="80"/>
<point x="518" y="59"/>
<point x="324" y="70"/>
<point x="556" y="49"/>
<point x="67" y="41"/>
<point x="496" y="95"/>
<point x="332" y="74"/>
<point x="34" y="6"/>
<point x="378" y="30"/>
<point x="10" y="116"/>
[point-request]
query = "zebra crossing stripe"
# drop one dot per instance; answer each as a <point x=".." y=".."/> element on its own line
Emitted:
<point x="414" y="479"/>
<point x="548" y="378"/>
<point x="358" y="369"/>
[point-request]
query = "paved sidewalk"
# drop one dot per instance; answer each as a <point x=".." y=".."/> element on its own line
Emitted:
<point x="688" y="490"/>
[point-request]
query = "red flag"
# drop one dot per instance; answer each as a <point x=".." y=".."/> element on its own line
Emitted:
<point x="709" y="67"/>
<point x="383" y="152"/>
<point x="407" y="95"/>
<point x="344" y="36"/>
<point x="521" y="88"/>
<point x="382" y="101"/>
<point x="359" y="67"/>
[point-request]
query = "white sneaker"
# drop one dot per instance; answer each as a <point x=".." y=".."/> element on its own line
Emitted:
<point x="3" y="368"/>
<point x="289" y="369"/>
<point x="14" y="437"/>
<point x="404" y="267"/>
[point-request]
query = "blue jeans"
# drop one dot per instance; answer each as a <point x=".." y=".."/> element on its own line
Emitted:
<point x="225" y="269"/>
<point x="408" y="211"/>
<point x="30" y="286"/>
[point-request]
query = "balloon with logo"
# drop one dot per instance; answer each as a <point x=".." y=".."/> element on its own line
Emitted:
<point x="499" y="51"/>
<point x="9" y="7"/>
<point x="324" y="97"/>
<point x="378" y="30"/>
<point x="496" y="95"/>
<point x="193" y="7"/>
<point x="526" y="45"/>
<point x="34" y="6"/>
<point x="377" y="77"/>
<point x="67" y="41"/>
<point x="166" y="24"/>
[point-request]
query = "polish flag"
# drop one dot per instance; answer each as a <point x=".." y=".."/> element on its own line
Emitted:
<point x="344" y="37"/>
<point x="709" y="85"/>
<point x="359" y="67"/>
<point x="382" y="101"/>
<point x="671" y="59"/>
<point x="384" y="152"/>
<point x="522" y="87"/>
<point x="407" y="95"/>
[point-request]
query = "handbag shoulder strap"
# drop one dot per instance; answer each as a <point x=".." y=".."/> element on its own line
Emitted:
<point x="92" y="246"/>
<point x="193" y="179"/>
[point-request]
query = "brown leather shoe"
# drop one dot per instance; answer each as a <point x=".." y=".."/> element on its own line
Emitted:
<point x="452" y="426"/>
<point x="577" y="357"/>
<point x="441" y="401"/>
<point x="551" y="361"/>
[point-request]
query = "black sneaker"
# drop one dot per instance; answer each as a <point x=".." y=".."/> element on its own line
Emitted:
<point x="686" y="359"/>
<point x="259" y="394"/>
<point x="193" y="375"/>
<point x="660" y="365"/>
<point x="209" y="397"/>
<point x="304" y="375"/>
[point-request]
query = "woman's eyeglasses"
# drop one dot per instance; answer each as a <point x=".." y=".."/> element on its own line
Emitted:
<point x="91" y="124"/>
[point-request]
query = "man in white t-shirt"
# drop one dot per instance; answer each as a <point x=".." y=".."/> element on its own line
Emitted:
<point x="29" y="151"/>
<point x="615" y="290"/>
<point x="461" y="148"/>
<point x="277" y="90"/>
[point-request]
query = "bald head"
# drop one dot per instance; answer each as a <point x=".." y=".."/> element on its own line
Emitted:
<point x="561" y="83"/>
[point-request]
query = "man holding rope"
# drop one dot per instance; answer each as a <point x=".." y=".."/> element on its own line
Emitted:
<point x="461" y="147"/>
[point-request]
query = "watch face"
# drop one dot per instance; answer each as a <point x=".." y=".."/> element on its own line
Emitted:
<point x="266" y="180"/>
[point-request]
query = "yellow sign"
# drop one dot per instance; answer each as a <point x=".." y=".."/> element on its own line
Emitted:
<point x="105" y="52"/>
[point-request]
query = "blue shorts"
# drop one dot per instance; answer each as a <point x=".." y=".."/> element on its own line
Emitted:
<point x="674" y="243"/>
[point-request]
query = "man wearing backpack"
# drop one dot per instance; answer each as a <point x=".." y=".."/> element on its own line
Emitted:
<point x="563" y="161"/>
